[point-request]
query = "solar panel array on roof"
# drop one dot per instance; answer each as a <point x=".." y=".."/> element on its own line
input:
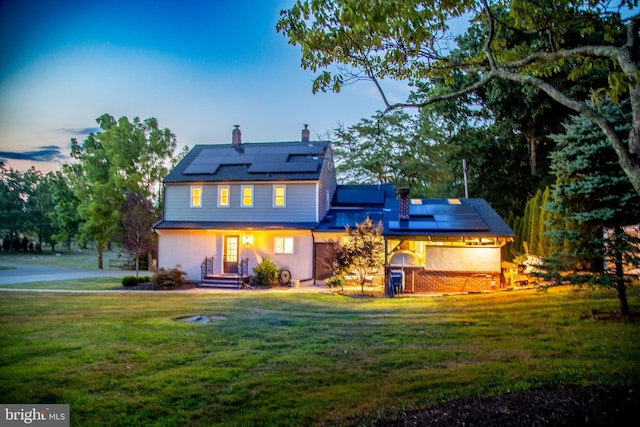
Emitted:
<point x="283" y="167"/>
<point x="258" y="158"/>
<point x="429" y="217"/>
<point x="359" y="196"/>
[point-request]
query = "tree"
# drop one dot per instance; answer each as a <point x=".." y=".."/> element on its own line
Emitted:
<point x="64" y="217"/>
<point x="39" y="205"/>
<point x="409" y="40"/>
<point x="138" y="217"/>
<point x="125" y="156"/>
<point x="595" y="204"/>
<point x="394" y="148"/>
<point x="12" y="201"/>
<point x="361" y="253"/>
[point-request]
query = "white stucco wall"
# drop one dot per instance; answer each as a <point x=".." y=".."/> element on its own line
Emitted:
<point x="186" y="248"/>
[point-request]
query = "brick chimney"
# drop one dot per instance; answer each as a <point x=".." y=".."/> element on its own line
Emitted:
<point x="404" y="203"/>
<point x="305" y="133"/>
<point x="236" y="135"/>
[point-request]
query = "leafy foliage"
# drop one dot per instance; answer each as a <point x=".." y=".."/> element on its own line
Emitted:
<point x="594" y="204"/>
<point x="138" y="217"/>
<point x="523" y="41"/>
<point x="394" y="148"/>
<point x="265" y="273"/>
<point x="361" y="253"/>
<point x="167" y="279"/>
<point x="126" y="156"/>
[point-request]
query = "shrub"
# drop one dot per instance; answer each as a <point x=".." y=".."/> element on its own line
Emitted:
<point x="265" y="273"/>
<point x="168" y="279"/>
<point x="129" y="281"/>
<point x="335" y="283"/>
<point x="133" y="280"/>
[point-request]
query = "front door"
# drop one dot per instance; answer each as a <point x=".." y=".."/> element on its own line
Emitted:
<point x="231" y="254"/>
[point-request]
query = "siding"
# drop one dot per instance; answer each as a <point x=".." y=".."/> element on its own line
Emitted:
<point x="300" y="204"/>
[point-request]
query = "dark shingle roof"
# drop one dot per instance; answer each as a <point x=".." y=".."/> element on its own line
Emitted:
<point x="295" y="161"/>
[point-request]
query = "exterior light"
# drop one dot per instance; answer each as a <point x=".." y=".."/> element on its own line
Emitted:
<point x="247" y="240"/>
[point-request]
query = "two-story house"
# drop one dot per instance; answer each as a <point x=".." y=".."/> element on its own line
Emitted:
<point x="246" y="200"/>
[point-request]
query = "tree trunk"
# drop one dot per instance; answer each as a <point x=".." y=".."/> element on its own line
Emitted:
<point x="100" y="253"/>
<point x="621" y="286"/>
<point x="533" y="154"/>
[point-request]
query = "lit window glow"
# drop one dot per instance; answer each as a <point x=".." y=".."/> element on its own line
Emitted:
<point x="283" y="245"/>
<point x="196" y="196"/>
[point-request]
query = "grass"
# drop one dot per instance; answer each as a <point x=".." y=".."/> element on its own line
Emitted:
<point x="300" y="358"/>
<point x="75" y="258"/>
<point x="96" y="284"/>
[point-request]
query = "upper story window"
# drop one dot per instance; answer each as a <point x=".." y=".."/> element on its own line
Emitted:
<point x="196" y="196"/>
<point x="223" y="196"/>
<point x="283" y="245"/>
<point x="246" y="192"/>
<point x="279" y="196"/>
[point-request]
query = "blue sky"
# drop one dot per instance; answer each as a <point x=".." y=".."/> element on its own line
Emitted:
<point x="198" y="66"/>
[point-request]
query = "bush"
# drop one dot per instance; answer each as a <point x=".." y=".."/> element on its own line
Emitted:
<point x="133" y="280"/>
<point x="164" y="279"/>
<point x="335" y="283"/>
<point x="265" y="273"/>
<point x="129" y="281"/>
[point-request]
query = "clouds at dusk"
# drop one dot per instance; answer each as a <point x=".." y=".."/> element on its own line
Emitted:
<point x="49" y="153"/>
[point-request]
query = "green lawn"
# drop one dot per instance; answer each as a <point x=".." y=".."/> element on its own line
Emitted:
<point x="75" y="258"/>
<point x="101" y="283"/>
<point x="300" y="358"/>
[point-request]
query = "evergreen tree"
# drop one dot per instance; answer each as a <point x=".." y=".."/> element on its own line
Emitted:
<point x="594" y="202"/>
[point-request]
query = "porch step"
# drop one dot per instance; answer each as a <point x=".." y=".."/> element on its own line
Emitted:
<point x="220" y="281"/>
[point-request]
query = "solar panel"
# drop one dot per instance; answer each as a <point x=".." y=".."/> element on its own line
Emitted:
<point x="276" y="167"/>
<point x="371" y="196"/>
<point x="201" y="169"/>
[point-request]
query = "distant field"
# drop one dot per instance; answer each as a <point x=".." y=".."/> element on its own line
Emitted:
<point x="300" y="358"/>
<point x="76" y="258"/>
<point x="102" y="283"/>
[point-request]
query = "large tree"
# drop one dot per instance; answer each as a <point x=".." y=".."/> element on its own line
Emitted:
<point x="394" y="148"/>
<point x="125" y="156"/>
<point x="351" y="40"/>
<point x="594" y="204"/>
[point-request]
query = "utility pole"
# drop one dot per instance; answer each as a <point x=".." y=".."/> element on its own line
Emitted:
<point x="466" y="183"/>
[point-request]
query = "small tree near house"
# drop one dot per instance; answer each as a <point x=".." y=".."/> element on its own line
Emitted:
<point x="361" y="254"/>
<point x="137" y="219"/>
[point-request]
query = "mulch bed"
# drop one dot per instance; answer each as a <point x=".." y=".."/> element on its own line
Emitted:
<point x="559" y="406"/>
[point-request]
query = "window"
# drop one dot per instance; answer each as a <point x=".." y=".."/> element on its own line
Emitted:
<point x="279" y="196"/>
<point x="196" y="196"/>
<point x="223" y="196"/>
<point x="283" y="245"/>
<point x="247" y="196"/>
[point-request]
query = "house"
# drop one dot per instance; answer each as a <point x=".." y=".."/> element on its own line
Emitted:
<point x="227" y="207"/>
<point x="246" y="201"/>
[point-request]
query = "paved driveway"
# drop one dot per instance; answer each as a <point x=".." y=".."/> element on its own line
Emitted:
<point x="22" y="273"/>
